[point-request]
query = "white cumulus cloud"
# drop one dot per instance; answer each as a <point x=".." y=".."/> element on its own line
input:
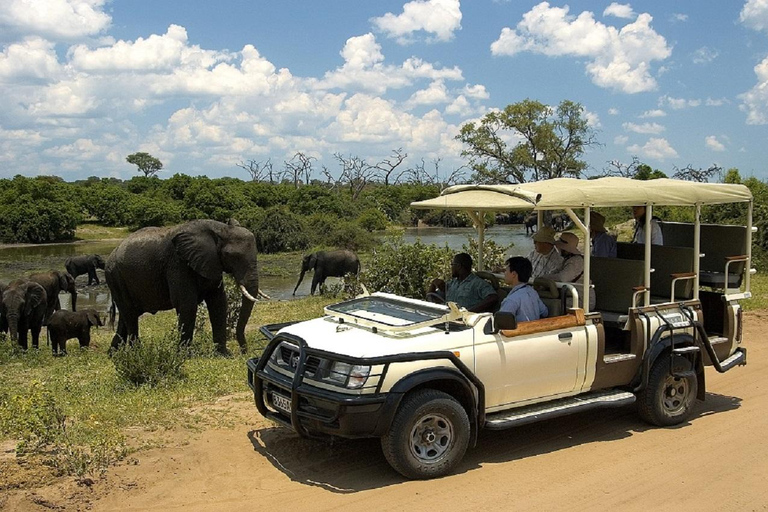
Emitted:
<point x="55" y="19"/>
<point x="31" y="60"/>
<point x="653" y="113"/>
<point x="712" y="143"/>
<point x="620" y="140"/>
<point x="678" y="103"/>
<point x="615" y="59"/>
<point x="440" y="18"/>
<point x="655" y="148"/>
<point x="645" y="128"/>
<point x="754" y="14"/>
<point x="619" y="10"/>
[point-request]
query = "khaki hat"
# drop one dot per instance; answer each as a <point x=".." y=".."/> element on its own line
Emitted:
<point x="597" y="222"/>
<point x="568" y="242"/>
<point x="546" y="235"/>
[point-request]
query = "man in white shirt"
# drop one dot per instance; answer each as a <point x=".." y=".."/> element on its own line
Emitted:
<point x="544" y="257"/>
<point x="638" y="212"/>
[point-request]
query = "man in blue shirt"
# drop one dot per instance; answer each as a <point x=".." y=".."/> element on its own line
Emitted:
<point x="522" y="300"/>
<point x="465" y="288"/>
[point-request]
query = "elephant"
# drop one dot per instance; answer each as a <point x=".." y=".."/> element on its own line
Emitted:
<point x="65" y="325"/>
<point x="85" y="264"/>
<point x="22" y="309"/>
<point x="334" y="263"/>
<point x="178" y="267"/>
<point x="55" y="282"/>
<point x="531" y="222"/>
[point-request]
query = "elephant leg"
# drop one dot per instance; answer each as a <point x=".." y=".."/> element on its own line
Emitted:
<point x="186" y="313"/>
<point x="242" y="321"/>
<point x="35" y="336"/>
<point x="318" y="278"/>
<point x="217" y="311"/>
<point x="122" y="334"/>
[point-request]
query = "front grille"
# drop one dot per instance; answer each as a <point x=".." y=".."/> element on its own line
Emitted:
<point x="290" y="357"/>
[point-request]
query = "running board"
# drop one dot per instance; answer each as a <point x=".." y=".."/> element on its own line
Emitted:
<point x="561" y="407"/>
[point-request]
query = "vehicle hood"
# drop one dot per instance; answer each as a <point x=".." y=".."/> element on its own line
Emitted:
<point x="328" y="334"/>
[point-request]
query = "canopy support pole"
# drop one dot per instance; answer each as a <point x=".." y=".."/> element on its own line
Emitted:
<point x="647" y="233"/>
<point x="748" y="276"/>
<point x="584" y="227"/>
<point x="478" y="219"/>
<point x="696" y="250"/>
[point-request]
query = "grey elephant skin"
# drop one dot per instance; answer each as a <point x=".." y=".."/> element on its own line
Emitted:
<point x="85" y="264"/>
<point x="22" y="310"/>
<point x="55" y="282"/>
<point x="65" y="325"/>
<point x="157" y="269"/>
<point x="328" y="264"/>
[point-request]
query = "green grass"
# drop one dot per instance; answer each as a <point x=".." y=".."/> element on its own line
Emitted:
<point x="88" y="231"/>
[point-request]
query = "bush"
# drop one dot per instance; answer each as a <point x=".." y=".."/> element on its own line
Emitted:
<point x="280" y="230"/>
<point x="406" y="269"/>
<point x="348" y="235"/>
<point x="108" y="204"/>
<point x="150" y="361"/>
<point x="493" y="253"/>
<point x="149" y="211"/>
<point x="38" y="221"/>
<point x="33" y="417"/>
<point x="373" y="219"/>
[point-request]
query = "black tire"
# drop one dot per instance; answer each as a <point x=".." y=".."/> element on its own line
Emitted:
<point x="428" y="436"/>
<point x="668" y="400"/>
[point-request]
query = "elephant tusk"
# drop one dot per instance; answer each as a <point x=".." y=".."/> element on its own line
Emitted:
<point x="246" y="294"/>
<point x="264" y="295"/>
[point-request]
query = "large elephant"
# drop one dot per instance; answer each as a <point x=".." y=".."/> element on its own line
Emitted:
<point x="326" y="264"/>
<point x="55" y="282"/>
<point x="22" y="309"/>
<point x="179" y="267"/>
<point x="85" y="264"/>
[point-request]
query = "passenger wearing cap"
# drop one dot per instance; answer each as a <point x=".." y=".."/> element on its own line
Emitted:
<point x="544" y="257"/>
<point x="572" y="269"/>
<point x="603" y="244"/>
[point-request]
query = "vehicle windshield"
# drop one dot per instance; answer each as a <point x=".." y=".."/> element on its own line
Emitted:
<point x="388" y="311"/>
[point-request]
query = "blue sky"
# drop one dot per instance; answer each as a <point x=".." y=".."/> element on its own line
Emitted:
<point x="206" y="85"/>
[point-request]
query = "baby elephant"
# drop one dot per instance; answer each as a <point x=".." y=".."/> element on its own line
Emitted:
<point x="65" y="325"/>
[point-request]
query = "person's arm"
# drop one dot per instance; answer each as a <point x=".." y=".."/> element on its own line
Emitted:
<point x="487" y="304"/>
<point x="543" y="309"/>
<point x="657" y="238"/>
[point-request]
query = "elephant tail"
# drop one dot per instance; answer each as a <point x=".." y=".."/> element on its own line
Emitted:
<point x="112" y="313"/>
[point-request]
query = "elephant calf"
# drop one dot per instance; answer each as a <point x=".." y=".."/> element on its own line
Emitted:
<point x="85" y="264"/>
<point x="65" y="325"/>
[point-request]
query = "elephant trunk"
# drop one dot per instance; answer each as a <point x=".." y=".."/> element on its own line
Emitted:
<point x="301" y="276"/>
<point x="74" y="299"/>
<point x="13" y="327"/>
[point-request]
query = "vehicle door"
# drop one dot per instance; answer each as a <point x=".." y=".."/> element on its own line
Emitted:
<point x="527" y="367"/>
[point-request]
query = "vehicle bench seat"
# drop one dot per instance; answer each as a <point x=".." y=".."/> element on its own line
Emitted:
<point x="665" y="261"/>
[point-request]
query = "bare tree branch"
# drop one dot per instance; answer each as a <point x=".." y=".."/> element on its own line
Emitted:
<point x="387" y="166"/>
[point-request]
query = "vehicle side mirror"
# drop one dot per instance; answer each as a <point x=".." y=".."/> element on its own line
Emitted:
<point x="502" y="320"/>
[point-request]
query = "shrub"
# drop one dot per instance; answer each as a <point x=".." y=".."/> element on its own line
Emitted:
<point x="373" y="219"/>
<point x="108" y="204"/>
<point x="348" y="235"/>
<point x="150" y="361"/>
<point x="280" y="230"/>
<point x="34" y="417"/>
<point x="406" y="269"/>
<point x="493" y="253"/>
<point x="149" y="211"/>
<point x="37" y="221"/>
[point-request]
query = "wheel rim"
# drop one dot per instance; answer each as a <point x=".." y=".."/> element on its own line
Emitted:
<point x="676" y="395"/>
<point x="431" y="438"/>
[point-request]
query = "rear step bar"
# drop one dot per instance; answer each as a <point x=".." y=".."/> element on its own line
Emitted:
<point x="561" y="407"/>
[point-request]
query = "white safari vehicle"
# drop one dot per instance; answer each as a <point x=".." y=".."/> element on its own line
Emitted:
<point x="426" y="378"/>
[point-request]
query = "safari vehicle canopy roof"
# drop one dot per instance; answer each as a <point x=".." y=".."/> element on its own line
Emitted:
<point x="562" y="193"/>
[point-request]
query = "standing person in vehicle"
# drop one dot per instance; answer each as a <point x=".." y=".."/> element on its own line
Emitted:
<point x="657" y="238"/>
<point x="544" y="257"/>
<point x="572" y="270"/>
<point x="465" y="288"/>
<point x="603" y="244"/>
<point x="522" y="300"/>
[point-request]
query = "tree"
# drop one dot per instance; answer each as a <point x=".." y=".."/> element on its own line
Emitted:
<point x="700" y="175"/>
<point x="549" y="142"/>
<point x="635" y="170"/>
<point x="146" y="163"/>
<point x="387" y="166"/>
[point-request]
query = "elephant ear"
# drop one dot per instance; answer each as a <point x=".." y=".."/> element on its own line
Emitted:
<point x="312" y="261"/>
<point x="34" y="297"/>
<point x="63" y="283"/>
<point x="198" y="250"/>
<point x="233" y="223"/>
<point x="93" y="318"/>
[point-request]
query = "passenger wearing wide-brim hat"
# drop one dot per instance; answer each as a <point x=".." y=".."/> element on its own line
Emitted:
<point x="572" y="269"/>
<point x="544" y="257"/>
<point x="603" y="244"/>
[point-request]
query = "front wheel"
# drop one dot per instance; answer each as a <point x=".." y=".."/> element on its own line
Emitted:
<point x="428" y="436"/>
<point x="670" y="395"/>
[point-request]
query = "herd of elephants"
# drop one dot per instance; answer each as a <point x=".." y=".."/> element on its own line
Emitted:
<point x="155" y="269"/>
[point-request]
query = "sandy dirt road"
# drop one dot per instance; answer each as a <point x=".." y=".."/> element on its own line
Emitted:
<point x="598" y="460"/>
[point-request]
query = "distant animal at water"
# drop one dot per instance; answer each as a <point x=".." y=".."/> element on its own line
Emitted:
<point x="531" y="222"/>
<point x="559" y="222"/>
<point x="328" y="264"/>
<point x="85" y="264"/>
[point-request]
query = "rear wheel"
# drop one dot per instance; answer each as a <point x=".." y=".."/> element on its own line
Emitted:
<point x="428" y="436"/>
<point x="669" y="398"/>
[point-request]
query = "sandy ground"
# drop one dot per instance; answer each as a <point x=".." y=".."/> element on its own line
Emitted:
<point x="598" y="460"/>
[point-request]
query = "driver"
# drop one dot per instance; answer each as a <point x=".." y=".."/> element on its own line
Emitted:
<point x="465" y="288"/>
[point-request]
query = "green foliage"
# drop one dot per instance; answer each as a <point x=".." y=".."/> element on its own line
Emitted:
<point x="646" y="172"/>
<point x="280" y="230"/>
<point x="146" y="163"/>
<point x="33" y="416"/>
<point x="152" y="361"/>
<point x="211" y="199"/>
<point x="147" y="211"/>
<point x="373" y="219"/>
<point x="494" y="254"/>
<point x="108" y="204"/>
<point x="405" y="269"/>
<point x="38" y="210"/>
<point x="348" y="235"/>
<point x="551" y="142"/>
<point x="447" y="218"/>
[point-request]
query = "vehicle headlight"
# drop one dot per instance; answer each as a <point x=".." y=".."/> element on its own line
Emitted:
<point x="352" y="376"/>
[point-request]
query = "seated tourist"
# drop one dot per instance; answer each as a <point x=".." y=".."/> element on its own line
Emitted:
<point x="572" y="270"/>
<point x="544" y="257"/>
<point x="657" y="238"/>
<point x="522" y="299"/>
<point x="465" y="288"/>
<point x="603" y="244"/>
